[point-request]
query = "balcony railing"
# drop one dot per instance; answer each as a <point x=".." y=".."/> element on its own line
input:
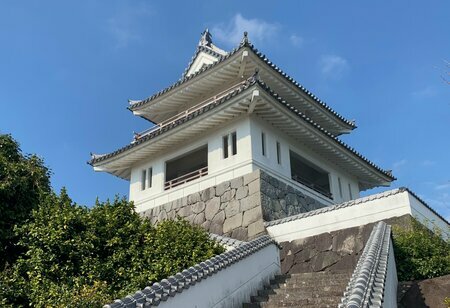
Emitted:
<point x="189" y="111"/>
<point x="186" y="178"/>
<point x="313" y="186"/>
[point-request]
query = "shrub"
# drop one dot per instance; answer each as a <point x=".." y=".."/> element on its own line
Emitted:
<point x="83" y="257"/>
<point x="420" y="253"/>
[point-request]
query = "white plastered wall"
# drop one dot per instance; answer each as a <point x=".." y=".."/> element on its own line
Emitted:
<point x="219" y="168"/>
<point x="231" y="286"/>
<point x="269" y="162"/>
<point x="395" y="205"/>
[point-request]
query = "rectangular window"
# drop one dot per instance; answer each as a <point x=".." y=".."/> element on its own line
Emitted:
<point x="340" y="188"/>
<point x="143" y="179"/>
<point x="233" y="143"/>
<point x="150" y="177"/>
<point x="278" y="153"/>
<point x="350" y="191"/>
<point x="225" y="146"/>
<point x="263" y="144"/>
<point x="310" y="175"/>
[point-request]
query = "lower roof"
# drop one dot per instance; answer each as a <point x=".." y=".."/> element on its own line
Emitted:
<point x="230" y="106"/>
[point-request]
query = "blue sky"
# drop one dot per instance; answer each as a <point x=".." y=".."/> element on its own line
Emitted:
<point x="67" y="70"/>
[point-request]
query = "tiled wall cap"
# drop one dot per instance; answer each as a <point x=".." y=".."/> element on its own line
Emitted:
<point x="170" y="287"/>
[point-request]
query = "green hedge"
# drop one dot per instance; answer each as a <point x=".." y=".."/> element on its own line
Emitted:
<point x="420" y="253"/>
<point x="80" y="257"/>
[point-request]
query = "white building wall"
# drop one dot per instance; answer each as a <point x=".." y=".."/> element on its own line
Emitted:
<point x="269" y="161"/>
<point x="219" y="169"/>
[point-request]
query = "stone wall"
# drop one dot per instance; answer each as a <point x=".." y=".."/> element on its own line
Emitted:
<point x="231" y="208"/>
<point x="237" y="208"/>
<point x="338" y="250"/>
<point x="280" y="200"/>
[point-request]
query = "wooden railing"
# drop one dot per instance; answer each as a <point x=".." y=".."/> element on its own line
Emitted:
<point x="313" y="186"/>
<point x="186" y="178"/>
<point x="190" y="110"/>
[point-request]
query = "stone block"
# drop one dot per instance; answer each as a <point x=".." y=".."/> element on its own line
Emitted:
<point x="199" y="219"/>
<point x="324" y="242"/>
<point x="222" y="187"/>
<point x="206" y="225"/>
<point x="185" y="211"/>
<point x="232" y="208"/>
<point x="167" y="207"/>
<point x="191" y="218"/>
<point x="287" y="263"/>
<point x="239" y="234"/>
<point x="212" y="207"/>
<point x="250" y="177"/>
<point x="216" y="228"/>
<point x="254" y="187"/>
<point x="232" y="223"/>
<point x="172" y="215"/>
<point x="219" y="218"/>
<point x="226" y="196"/>
<point x="252" y="215"/>
<point x="250" y="202"/>
<point x="237" y="182"/>
<point x="344" y="241"/>
<point x="208" y="194"/>
<point x="162" y="216"/>
<point x="241" y="192"/>
<point x="324" y="260"/>
<point x="193" y="198"/>
<point x="198" y="207"/>
<point x="256" y="228"/>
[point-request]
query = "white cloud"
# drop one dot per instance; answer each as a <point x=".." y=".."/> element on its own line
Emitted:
<point x="296" y="40"/>
<point x="123" y="26"/>
<point x="428" y="163"/>
<point x="333" y="66"/>
<point x="424" y="93"/>
<point x="443" y="186"/>
<point x="232" y="32"/>
<point x="396" y="165"/>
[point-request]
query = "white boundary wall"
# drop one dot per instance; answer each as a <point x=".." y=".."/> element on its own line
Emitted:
<point x="375" y="208"/>
<point x="233" y="285"/>
<point x="390" y="287"/>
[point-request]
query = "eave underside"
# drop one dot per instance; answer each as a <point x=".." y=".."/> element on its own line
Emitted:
<point x="268" y="108"/>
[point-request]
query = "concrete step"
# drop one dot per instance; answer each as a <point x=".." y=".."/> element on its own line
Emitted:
<point x="323" y="289"/>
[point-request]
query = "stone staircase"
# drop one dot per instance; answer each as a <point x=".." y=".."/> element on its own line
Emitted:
<point x="320" y="289"/>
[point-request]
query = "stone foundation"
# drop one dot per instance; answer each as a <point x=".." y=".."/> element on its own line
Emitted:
<point x="237" y="208"/>
<point x="334" y="251"/>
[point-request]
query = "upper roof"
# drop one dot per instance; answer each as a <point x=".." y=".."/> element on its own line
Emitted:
<point x="120" y="161"/>
<point x="241" y="62"/>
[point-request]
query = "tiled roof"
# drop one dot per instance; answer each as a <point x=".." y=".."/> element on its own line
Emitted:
<point x="98" y="158"/>
<point x="221" y="58"/>
<point x="226" y="241"/>
<point x="167" y="288"/>
<point x="349" y="204"/>
<point x="200" y="49"/>
<point x="251" y="81"/>
<point x="366" y="287"/>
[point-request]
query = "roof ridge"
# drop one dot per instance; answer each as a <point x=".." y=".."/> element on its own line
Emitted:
<point x="167" y="288"/>
<point x="336" y="207"/>
<point x="244" y="43"/>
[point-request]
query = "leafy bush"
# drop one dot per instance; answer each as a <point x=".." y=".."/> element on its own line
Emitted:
<point x="420" y="253"/>
<point x="87" y="257"/>
<point x="23" y="180"/>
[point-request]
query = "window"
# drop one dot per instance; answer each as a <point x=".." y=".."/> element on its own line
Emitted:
<point x="308" y="174"/>
<point x="233" y="143"/>
<point x="340" y="187"/>
<point x="150" y="176"/>
<point x="143" y="179"/>
<point x="225" y="146"/>
<point x="263" y="144"/>
<point x="350" y="191"/>
<point x="278" y="153"/>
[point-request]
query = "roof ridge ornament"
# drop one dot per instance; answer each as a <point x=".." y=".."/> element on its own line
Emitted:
<point x="244" y="40"/>
<point x="206" y="39"/>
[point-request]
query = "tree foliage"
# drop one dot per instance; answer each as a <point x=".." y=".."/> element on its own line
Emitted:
<point x="420" y="253"/>
<point x="83" y="257"/>
<point x="23" y="180"/>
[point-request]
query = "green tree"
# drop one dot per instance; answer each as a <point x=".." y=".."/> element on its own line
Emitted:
<point x="23" y="181"/>
<point x="83" y="257"/>
<point x="420" y="253"/>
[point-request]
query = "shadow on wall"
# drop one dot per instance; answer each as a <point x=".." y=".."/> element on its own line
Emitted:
<point x="424" y="293"/>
